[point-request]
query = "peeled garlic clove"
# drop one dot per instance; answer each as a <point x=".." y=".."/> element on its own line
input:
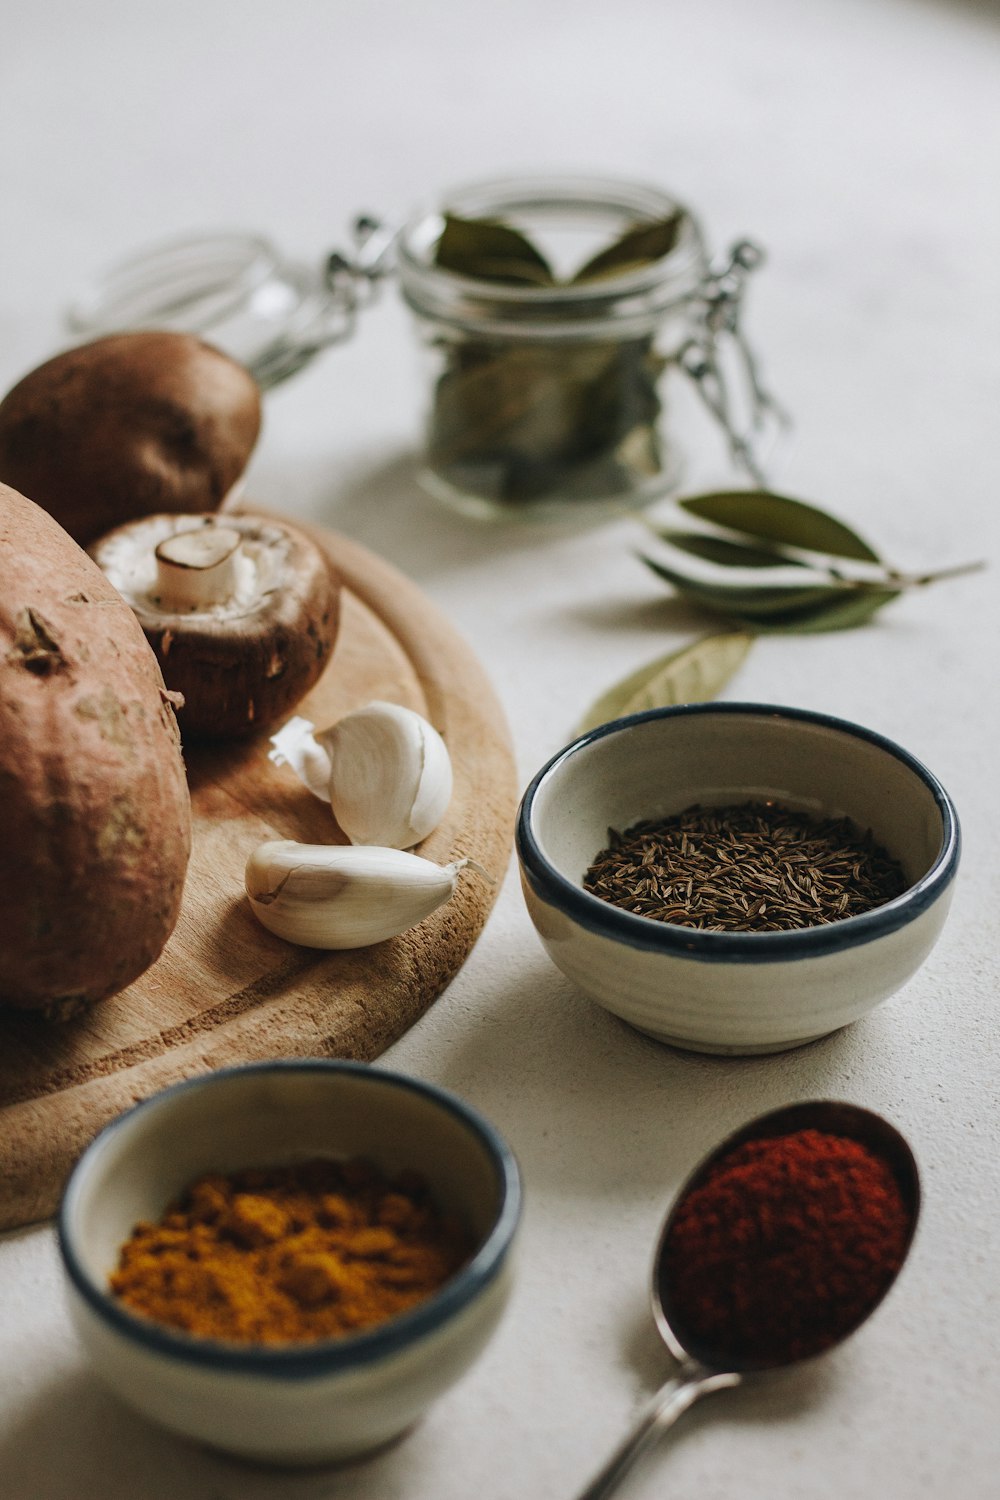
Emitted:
<point x="336" y="896"/>
<point x="295" y="745"/>
<point x="391" y="779"/>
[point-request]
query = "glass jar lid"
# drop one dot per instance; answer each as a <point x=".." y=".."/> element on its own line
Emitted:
<point x="240" y="292"/>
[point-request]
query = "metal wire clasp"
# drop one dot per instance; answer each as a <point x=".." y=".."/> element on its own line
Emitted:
<point x="372" y="260"/>
<point x="718" y="334"/>
<point x="350" y="282"/>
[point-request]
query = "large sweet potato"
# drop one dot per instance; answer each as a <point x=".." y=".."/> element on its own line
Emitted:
<point x="126" y="425"/>
<point x="95" y="817"/>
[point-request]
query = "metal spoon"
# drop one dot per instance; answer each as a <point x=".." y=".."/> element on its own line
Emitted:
<point x="701" y="1372"/>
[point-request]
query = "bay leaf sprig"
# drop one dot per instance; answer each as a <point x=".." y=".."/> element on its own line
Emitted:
<point x="831" y="578"/>
<point x="778" y="564"/>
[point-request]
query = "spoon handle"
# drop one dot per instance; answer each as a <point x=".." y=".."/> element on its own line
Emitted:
<point x="670" y="1402"/>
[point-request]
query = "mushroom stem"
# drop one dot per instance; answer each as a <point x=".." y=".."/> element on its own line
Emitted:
<point x="197" y="568"/>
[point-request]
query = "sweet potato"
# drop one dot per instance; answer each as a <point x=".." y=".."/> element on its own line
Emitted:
<point x="94" y="806"/>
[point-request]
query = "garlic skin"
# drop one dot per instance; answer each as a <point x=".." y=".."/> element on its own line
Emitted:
<point x="336" y="896"/>
<point x="295" y="745"/>
<point x="389" y="781"/>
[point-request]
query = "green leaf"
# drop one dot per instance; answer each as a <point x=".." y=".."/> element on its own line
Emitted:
<point x="490" y="251"/>
<point x="640" y="246"/>
<point x="727" y="554"/>
<point x="776" y="518"/>
<point x="746" y="603"/>
<point x="813" y="608"/>
<point x="693" y="674"/>
<point x="855" y="608"/>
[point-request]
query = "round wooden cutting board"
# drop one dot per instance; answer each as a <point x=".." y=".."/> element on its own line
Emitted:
<point x="225" y="991"/>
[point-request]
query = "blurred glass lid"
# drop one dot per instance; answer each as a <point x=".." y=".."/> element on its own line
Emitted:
<point x="239" y="292"/>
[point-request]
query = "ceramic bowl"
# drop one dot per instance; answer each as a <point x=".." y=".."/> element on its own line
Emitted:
<point x="734" y="992"/>
<point x="300" y="1403"/>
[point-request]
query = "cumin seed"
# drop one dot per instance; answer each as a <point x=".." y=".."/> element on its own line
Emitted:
<point x="748" y="867"/>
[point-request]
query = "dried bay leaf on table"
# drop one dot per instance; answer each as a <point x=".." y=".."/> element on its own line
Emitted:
<point x="826" y="605"/>
<point x="750" y="602"/>
<point x="852" y="607"/>
<point x="694" y="674"/>
<point x="725" y="553"/>
<point x="489" y="250"/>
<point x="777" y="518"/>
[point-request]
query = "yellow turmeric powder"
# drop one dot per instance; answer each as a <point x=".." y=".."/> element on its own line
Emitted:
<point x="314" y="1250"/>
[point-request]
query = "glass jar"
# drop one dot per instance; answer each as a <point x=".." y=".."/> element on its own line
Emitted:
<point x="543" y="400"/>
<point x="546" y="398"/>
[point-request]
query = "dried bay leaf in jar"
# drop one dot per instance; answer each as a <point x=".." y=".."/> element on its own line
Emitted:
<point x="552" y="312"/>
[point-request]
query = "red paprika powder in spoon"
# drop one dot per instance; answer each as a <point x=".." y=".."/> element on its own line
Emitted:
<point x="783" y="1247"/>
<point x="780" y="1244"/>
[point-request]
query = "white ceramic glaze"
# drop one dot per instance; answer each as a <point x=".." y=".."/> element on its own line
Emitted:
<point x="734" y="992"/>
<point x="302" y="1404"/>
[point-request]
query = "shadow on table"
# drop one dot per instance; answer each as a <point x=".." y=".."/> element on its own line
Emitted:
<point x="78" y="1442"/>
<point x="385" y="508"/>
<point x="596" y="1110"/>
<point x="75" y="1441"/>
<point x="982" y="10"/>
<point x="776" y="1396"/>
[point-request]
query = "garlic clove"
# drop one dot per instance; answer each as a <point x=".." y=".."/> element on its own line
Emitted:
<point x="334" y="896"/>
<point x="391" y="781"/>
<point x="435" y="784"/>
<point x="295" y="745"/>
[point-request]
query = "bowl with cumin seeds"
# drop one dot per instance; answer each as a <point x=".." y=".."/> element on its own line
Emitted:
<point x="737" y="877"/>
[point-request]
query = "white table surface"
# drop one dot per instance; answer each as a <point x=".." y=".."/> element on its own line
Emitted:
<point x="859" y="140"/>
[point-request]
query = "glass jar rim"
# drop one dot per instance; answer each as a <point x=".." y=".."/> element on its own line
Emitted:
<point x="634" y="301"/>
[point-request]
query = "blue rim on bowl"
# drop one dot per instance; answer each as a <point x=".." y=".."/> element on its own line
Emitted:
<point x="601" y="917"/>
<point x="325" y="1356"/>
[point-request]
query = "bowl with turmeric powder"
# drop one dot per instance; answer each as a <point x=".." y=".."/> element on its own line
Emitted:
<point x="290" y="1261"/>
<point x="737" y="877"/>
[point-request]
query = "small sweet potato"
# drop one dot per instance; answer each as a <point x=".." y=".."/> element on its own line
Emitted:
<point x="94" y="805"/>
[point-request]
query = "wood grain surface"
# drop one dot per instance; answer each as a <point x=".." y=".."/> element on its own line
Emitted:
<point x="226" y="991"/>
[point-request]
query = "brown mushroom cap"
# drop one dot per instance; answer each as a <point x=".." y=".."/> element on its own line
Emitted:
<point x="127" y="425"/>
<point x="244" y="662"/>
